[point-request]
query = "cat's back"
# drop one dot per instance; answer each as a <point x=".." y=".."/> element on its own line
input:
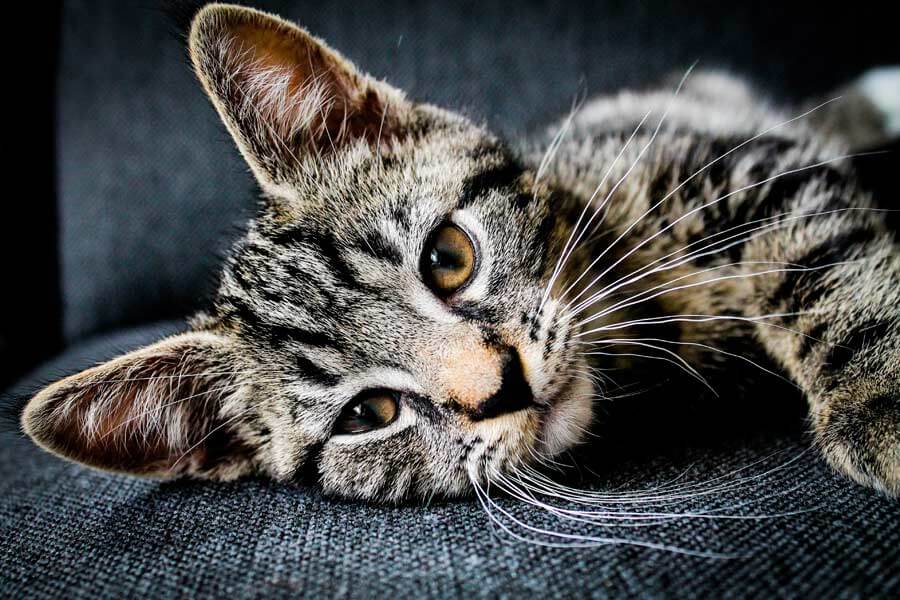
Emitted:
<point x="709" y="156"/>
<point x="714" y="134"/>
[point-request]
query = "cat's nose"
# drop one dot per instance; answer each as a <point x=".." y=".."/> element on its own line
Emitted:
<point x="513" y="394"/>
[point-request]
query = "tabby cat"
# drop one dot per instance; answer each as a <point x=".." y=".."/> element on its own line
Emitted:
<point x="418" y="306"/>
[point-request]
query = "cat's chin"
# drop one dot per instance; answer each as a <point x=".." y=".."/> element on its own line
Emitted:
<point x="566" y="423"/>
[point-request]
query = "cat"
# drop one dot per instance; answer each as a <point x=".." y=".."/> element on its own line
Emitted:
<point x="418" y="306"/>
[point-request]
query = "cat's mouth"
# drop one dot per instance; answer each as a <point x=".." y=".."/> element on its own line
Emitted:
<point x="565" y="419"/>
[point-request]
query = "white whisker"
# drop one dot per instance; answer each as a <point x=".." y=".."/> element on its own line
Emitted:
<point x="686" y="318"/>
<point x="707" y="347"/>
<point x="714" y="248"/>
<point x="693" y="212"/>
<point x="657" y="292"/>
<point x="567" y="251"/>
<point x="570" y="540"/>
<point x="634" y="163"/>
<point x="678" y="360"/>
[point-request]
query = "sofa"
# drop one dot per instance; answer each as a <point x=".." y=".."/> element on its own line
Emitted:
<point x="143" y="191"/>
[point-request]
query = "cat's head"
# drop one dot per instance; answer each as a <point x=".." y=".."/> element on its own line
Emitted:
<point x="388" y="324"/>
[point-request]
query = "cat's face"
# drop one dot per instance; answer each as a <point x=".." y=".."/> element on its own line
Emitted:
<point x="400" y="320"/>
<point x="388" y="323"/>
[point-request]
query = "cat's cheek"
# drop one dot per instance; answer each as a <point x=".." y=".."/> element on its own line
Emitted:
<point x="569" y="419"/>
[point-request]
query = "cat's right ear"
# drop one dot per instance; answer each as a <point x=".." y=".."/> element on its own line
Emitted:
<point x="285" y="96"/>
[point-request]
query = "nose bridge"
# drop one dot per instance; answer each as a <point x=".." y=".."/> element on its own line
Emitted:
<point x="470" y="372"/>
<point x="484" y="379"/>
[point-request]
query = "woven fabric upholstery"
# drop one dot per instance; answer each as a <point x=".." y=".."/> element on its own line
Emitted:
<point x="66" y="531"/>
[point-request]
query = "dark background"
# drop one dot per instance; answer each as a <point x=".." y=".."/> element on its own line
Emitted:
<point x="126" y="190"/>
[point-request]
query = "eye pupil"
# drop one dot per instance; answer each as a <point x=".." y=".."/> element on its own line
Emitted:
<point x="444" y="259"/>
<point x="450" y="260"/>
<point x="436" y="258"/>
<point x="369" y="411"/>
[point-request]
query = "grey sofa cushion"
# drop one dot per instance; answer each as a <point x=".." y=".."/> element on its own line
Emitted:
<point x="66" y="531"/>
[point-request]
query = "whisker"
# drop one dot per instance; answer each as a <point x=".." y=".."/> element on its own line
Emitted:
<point x="570" y="540"/>
<point x="707" y="347"/>
<point x="677" y="360"/>
<point x="696" y="210"/>
<point x="761" y="230"/>
<point x="564" y="255"/>
<point x="667" y="290"/>
<point x="597" y="297"/>
<point x="700" y="170"/>
<point x="690" y="318"/>
<point x="556" y="142"/>
<point x="674" y="494"/>
<point x="618" y="518"/>
<point x="637" y="159"/>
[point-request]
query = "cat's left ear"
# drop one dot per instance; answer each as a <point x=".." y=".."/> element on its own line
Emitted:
<point x="174" y="407"/>
<point x="284" y="95"/>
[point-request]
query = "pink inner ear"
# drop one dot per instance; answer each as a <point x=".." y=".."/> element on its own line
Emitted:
<point x="303" y="91"/>
<point x="154" y="411"/>
<point x="145" y="425"/>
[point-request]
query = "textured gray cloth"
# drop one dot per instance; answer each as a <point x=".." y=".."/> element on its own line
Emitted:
<point x="66" y="531"/>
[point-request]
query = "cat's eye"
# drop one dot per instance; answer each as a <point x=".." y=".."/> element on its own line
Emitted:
<point x="369" y="411"/>
<point x="448" y="261"/>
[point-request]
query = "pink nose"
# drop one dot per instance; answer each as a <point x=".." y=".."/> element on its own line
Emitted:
<point x="488" y="382"/>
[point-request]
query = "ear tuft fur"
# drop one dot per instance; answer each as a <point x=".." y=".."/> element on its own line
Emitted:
<point x="285" y="95"/>
<point x="172" y="407"/>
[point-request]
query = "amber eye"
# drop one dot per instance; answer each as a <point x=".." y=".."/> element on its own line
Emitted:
<point x="448" y="262"/>
<point x="370" y="410"/>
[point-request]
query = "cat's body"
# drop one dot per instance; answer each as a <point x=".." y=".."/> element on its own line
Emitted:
<point x="418" y="307"/>
<point x="802" y="273"/>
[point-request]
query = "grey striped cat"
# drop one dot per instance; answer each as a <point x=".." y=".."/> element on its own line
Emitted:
<point x="419" y="307"/>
